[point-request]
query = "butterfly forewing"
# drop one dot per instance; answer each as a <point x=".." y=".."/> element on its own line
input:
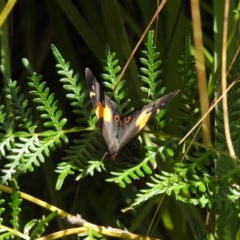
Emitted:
<point x="105" y="110"/>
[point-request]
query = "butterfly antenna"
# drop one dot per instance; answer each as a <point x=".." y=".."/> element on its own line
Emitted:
<point x="103" y="157"/>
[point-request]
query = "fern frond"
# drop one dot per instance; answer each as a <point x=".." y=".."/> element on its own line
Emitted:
<point x="171" y="183"/>
<point x="77" y="89"/>
<point x="191" y="183"/>
<point x="45" y="101"/>
<point x="25" y="147"/>
<point x="186" y="178"/>
<point x="14" y="205"/>
<point x="111" y="76"/>
<point x="135" y="172"/>
<point x="40" y="227"/>
<point x="150" y="76"/>
<point x="6" y="130"/>
<point x="23" y="115"/>
<point x="90" y="234"/>
<point x="233" y="109"/>
<point x="164" y="148"/>
<point x="150" y="70"/>
<point x="1" y="208"/>
<point x="78" y="157"/>
<point x="189" y="94"/>
<point x="91" y="167"/>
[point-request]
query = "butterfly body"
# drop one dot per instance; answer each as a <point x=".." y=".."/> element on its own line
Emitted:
<point x="116" y="129"/>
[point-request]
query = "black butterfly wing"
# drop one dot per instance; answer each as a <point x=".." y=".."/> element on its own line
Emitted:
<point x="133" y="122"/>
<point x="95" y="92"/>
<point x="105" y="110"/>
<point x="118" y="130"/>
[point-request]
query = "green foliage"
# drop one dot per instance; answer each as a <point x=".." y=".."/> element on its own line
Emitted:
<point x="194" y="181"/>
<point x="189" y="97"/>
<point x="198" y="230"/>
<point x="125" y="176"/>
<point x="26" y="147"/>
<point x="90" y="235"/>
<point x="41" y="224"/>
<point x="30" y="146"/>
<point x="36" y="227"/>
<point x="150" y="73"/>
<point x="31" y="130"/>
<point x="77" y="93"/>
<point x="14" y="205"/>
<point x="150" y="70"/>
<point x="110" y="76"/>
<point x="1" y="209"/>
<point x="233" y="109"/>
<point x="80" y="153"/>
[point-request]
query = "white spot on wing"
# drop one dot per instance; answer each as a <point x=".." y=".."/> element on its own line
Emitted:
<point x="150" y="109"/>
<point x="163" y="104"/>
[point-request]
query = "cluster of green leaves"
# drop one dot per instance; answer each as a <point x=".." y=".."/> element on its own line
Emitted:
<point x="79" y="155"/>
<point x="33" y="229"/>
<point x="21" y="145"/>
<point x="80" y="150"/>
<point x="189" y="97"/>
<point x="197" y="180"/>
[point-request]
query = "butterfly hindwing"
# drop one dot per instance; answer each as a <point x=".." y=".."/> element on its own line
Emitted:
<point x="118" y="130"/>
<point x="141" y="116"/>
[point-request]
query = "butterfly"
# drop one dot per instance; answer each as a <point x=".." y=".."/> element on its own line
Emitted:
<point x="118" y="130"/>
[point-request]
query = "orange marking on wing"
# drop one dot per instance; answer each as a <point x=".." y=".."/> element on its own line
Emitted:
<point x="143" y="119"/>
<point x="103" y="112"/>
